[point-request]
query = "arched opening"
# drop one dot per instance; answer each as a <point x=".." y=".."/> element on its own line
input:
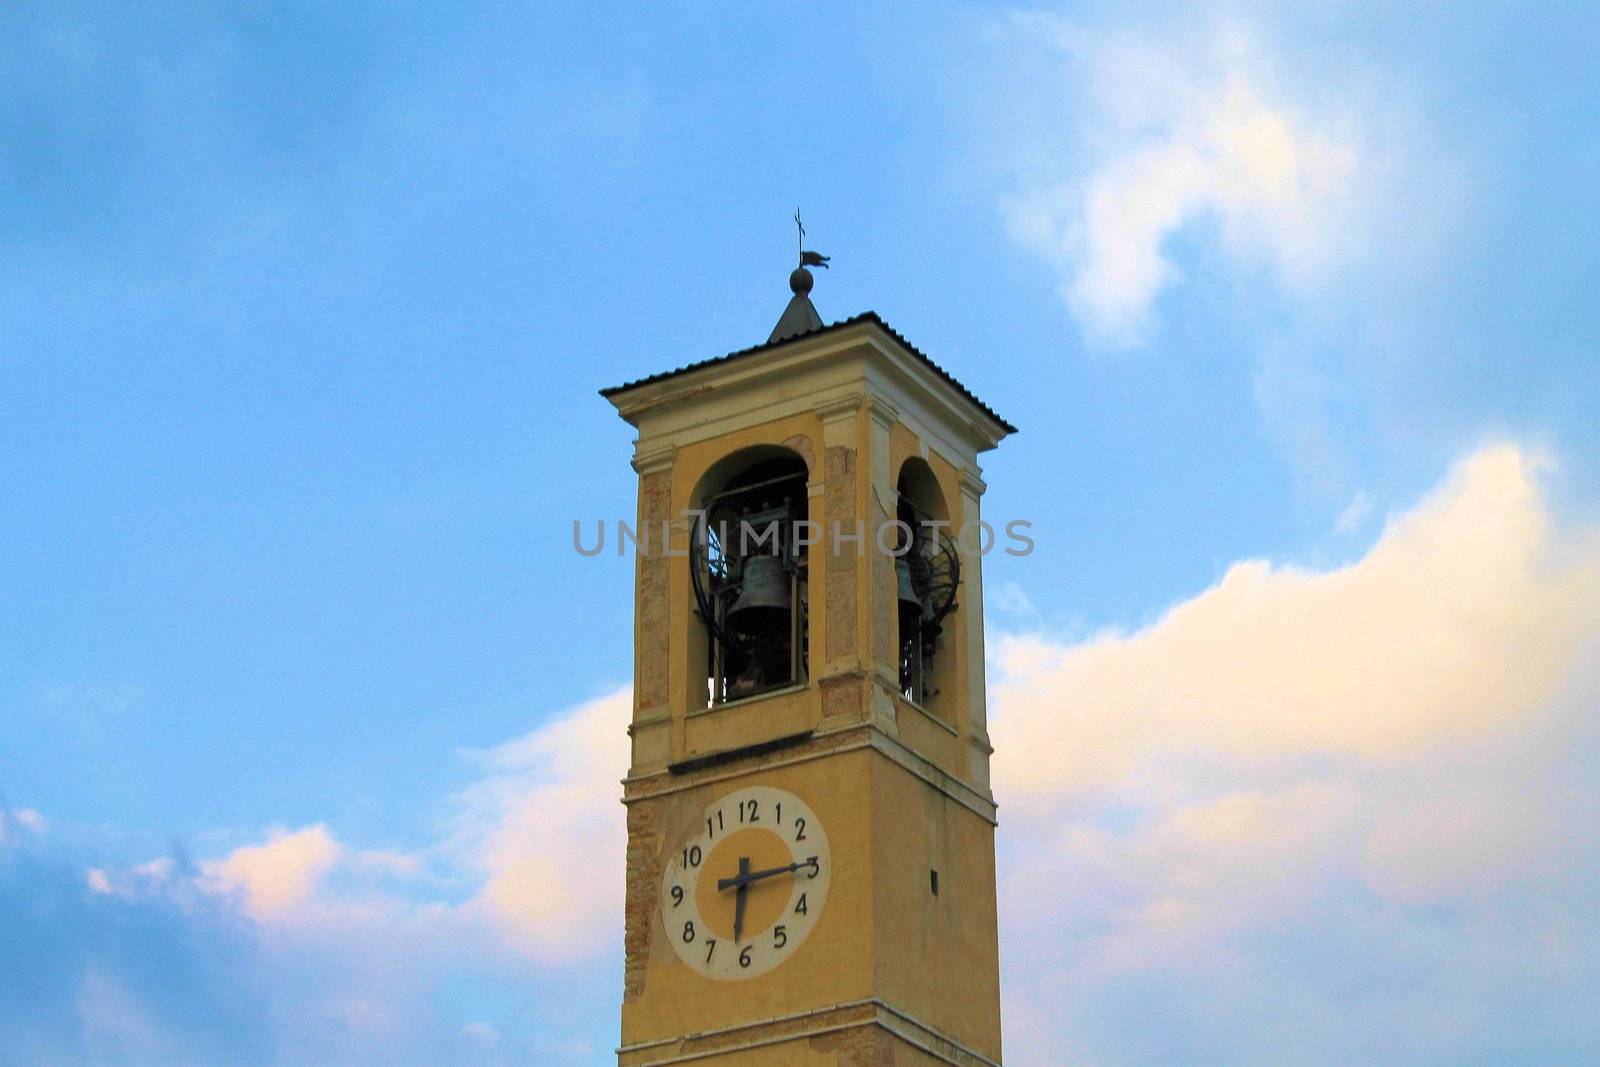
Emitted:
<point x="927" y="575"/>
<point x="748" y="568"/>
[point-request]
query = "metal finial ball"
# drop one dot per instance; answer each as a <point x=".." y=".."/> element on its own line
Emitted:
<point x="800" y="281"/>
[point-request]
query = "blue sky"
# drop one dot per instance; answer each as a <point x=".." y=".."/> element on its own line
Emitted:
<point x="305" y="310"/>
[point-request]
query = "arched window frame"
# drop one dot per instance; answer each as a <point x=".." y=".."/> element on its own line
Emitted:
<point x="933" y="565"/>
<point x="760" y="485"/>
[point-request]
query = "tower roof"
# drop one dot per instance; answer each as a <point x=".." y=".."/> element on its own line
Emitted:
<point x="775" y="341"/>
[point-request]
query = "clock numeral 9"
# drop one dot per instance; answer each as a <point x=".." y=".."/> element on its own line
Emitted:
<point x="677" y="895"/>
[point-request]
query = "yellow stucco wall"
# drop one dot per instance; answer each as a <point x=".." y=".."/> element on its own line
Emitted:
<point x="892" y="783"/>
<point x="935" y="956"/>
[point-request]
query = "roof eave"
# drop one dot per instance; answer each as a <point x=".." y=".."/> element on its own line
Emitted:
<point x="619" y="395"/>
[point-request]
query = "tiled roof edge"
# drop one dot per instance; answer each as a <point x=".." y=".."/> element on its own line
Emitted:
<point x="866" y="316"/>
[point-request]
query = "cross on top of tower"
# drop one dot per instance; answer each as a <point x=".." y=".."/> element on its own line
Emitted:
<point x="800" y="316"/>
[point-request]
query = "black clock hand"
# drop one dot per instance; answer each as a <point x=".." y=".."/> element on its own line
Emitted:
<point x="744" y="878"/>
<point x="739" y="897"/>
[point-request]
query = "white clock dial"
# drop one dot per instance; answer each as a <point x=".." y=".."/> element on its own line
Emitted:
<point x="739" y="896"/>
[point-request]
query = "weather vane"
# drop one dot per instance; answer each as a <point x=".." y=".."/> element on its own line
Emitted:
<point x="807" y="258"/>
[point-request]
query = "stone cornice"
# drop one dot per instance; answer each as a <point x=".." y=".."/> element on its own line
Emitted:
<point x="843" y="407"/>
<point x="650" y="460"/>
<point x="846" y="737"/>
<point x="972" y="485"/>
<point x="802" y="1026"/>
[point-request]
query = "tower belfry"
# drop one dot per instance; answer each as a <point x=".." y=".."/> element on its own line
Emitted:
<point x="810" y="867"/>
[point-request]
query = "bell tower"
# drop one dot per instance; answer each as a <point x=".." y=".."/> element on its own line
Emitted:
<point x="810" y="864"/>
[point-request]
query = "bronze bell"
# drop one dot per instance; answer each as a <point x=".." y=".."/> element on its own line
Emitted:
<point x="763" y="604"/>
<point x="911" y="607"/>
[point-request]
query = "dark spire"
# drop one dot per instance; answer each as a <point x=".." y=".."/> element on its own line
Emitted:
<point x="800" y="316"/>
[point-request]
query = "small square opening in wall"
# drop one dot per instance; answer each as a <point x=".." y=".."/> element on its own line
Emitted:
<point x="933" y="881"/>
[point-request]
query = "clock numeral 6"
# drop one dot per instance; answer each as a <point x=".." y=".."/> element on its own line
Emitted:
<point x="744" y="956"/>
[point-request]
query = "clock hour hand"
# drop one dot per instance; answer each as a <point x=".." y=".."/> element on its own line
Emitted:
<point x="738" y="899"/>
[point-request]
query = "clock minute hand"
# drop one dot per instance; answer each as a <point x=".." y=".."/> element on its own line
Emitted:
<point x="744" y="878"/>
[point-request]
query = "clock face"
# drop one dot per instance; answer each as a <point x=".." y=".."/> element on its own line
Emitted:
<point x="739" y="897"/>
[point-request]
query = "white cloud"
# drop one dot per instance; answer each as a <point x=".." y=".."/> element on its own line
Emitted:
<point x="15" y="822"/>
<point x="1461" y="842"/>
<point x="280" y="874"/>
<point x="546" y="829"/>
<point x="1008" y="597"/>
<point x="388" y="861"/>
<point x="1463" y="617"/>
<point x="1284" y="765"/>
<point x="1354" y="515"/>
<point x="540" y="835"/>
<point x="1170" y="136"/>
